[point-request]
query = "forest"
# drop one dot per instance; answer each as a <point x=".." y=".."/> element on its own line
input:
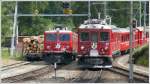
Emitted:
<point x="119" y="11"/>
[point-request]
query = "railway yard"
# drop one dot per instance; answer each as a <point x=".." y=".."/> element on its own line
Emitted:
<point x="40" y="72"/>
<point x="75" y="42"/>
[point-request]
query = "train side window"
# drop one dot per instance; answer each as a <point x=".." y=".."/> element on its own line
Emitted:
<point x="126" y="38"/>
<point x="112" y="38"/>
<point x="135" y="36"/>
<point x="104" y="36"/>
<point x="121" y="38"/>
<point x="84" y="36"/>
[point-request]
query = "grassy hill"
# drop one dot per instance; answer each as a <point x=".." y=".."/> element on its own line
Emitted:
<point x="141" y="55"/>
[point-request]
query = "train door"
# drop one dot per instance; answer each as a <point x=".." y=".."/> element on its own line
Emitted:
<point x="94" y="42"/>
<point x="94" y="36"/>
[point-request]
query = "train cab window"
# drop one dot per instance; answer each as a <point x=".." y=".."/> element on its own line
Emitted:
<point x="84" y="36"/>
<point x="64" y="37"/>
<point x="51" y="37"/>
<point x="104" y="36"/>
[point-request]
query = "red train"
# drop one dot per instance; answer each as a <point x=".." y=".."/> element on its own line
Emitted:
<point x="99" y="42"/>
<point x="60" y="45"/>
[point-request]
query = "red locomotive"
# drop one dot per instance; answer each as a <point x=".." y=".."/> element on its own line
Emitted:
<point x="99" y="42"/>
<point x="60" y="45"/>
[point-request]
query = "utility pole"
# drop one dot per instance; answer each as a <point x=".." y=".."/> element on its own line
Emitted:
<point x="0" y="30"/>
<point x="14" y="26"/>
<point x="131" y="38"/>
<point x="99" y="15"/>
<point x="105" y="9"/>
<point x="89" y="9"/>
<point x="144" y="20"/>
<point x="17" y="34"/>
<point x="140" y="14"/>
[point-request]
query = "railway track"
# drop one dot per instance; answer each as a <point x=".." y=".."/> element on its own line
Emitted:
<point x="18" y="71"/>
<point x="14" y="65"/>
<point x="85" y="76"/>
<point x="32" y="75"/>
<point x="124" y="72"/>
<point x="88" y="76"/>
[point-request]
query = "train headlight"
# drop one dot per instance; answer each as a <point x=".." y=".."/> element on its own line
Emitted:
<point x="63" y="49"/>
<point x="107" y="44"/>
<point x="48" y="47"/>
<point x="82" y="47"/>
<point x="106" y="48"/>
<point x="102" y="51"/>
<point x="67" y="47"/>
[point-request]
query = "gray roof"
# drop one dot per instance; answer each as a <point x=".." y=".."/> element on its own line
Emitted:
<point x="120" y="30"/>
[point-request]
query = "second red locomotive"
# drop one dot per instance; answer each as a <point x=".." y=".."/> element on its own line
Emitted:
<point x="60" y="45"/>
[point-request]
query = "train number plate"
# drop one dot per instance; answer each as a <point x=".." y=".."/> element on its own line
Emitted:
<point x="94" y="52"/>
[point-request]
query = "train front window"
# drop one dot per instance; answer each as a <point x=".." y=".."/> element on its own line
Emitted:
<point x="84" y="36"/>
<point x="104" y="36"/>
<point x="51" y="37"/>
<point x="64" y="37"/>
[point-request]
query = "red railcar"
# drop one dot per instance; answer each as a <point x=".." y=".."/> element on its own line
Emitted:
<point x="124" y="42"/>
<point x="143" y="38"/>
<point x="60" y="45"/>
<point x="99" y="42"/>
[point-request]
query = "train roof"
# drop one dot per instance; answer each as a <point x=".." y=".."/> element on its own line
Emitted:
<point x="120" y="30"/>
<point x="95" y="24"/>
<point x="59" y="28"/>
<point x="52" y="31"/>
<point x="140" y="28"/>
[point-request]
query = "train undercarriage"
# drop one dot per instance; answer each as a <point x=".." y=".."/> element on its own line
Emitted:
<point x="33" y="56"/>
<point x="60" y="58"/>
<point x="95" y="62"/>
